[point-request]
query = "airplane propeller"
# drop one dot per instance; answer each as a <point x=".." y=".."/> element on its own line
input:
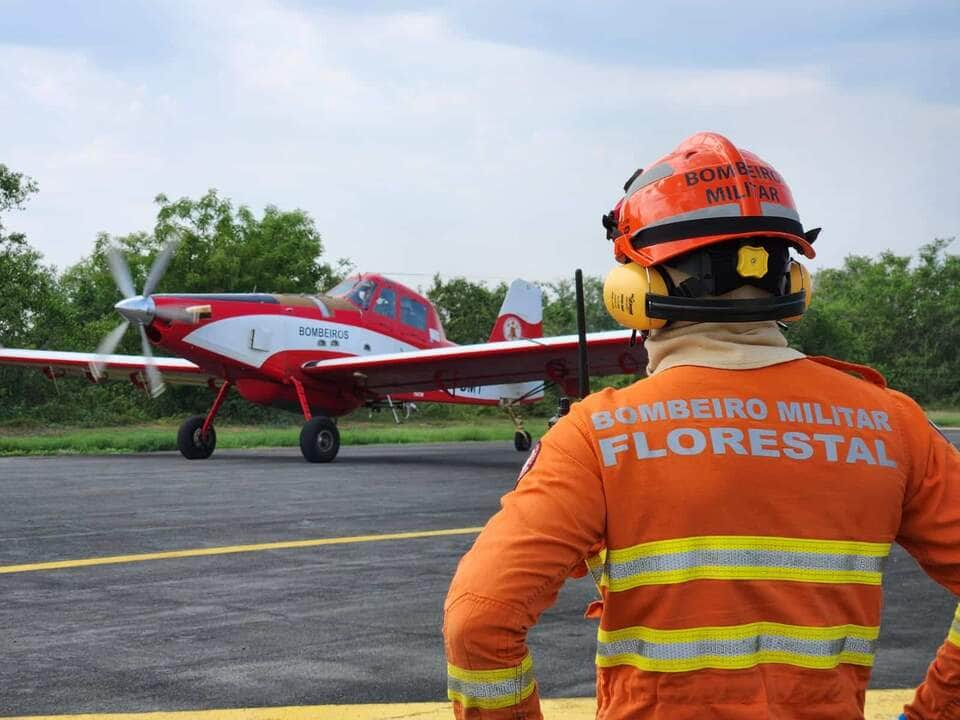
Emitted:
<point x="139" y="309"/>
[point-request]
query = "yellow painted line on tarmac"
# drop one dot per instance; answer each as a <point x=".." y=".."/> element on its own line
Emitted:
<point x="881" y="705"/>
<point x="232" y="549"/>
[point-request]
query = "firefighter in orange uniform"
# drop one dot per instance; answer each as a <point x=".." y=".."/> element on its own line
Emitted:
<point x="735" y="507"/>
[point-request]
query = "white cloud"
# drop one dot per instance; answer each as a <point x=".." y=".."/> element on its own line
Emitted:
<point x="419" y="150"/>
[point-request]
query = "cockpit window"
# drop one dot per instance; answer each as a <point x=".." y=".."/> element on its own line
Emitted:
<point x="359" y="292"/>
<point x="386" y="304"/>
<point x="413" y="313"/>
<point x="362" y="294"/>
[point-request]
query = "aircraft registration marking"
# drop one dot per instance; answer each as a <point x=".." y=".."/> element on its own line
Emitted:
<point x="232" y="549"/>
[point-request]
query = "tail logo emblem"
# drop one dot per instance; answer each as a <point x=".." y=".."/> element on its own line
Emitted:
<point x="512" y="330"/>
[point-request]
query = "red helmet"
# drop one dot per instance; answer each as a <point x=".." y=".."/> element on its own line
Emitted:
<point x="707" y="191"/>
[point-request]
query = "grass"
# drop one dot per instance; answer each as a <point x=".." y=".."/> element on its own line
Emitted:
<point x="163" y="436"/>
<point x="154" y="438"/>
<point x="945" y="418"/>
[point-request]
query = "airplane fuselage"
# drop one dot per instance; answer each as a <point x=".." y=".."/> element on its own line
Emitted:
<point x="259" y="341"/>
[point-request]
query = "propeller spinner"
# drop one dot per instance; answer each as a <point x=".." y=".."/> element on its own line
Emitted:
<point x="137" y="309"/>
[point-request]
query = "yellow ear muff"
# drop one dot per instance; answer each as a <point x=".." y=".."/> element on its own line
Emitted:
<point x="625" y="294"/>
<point x="800" y="279"/>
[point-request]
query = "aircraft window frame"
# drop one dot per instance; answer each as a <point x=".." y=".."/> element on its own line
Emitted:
<point x="419" y="320"/>
<point x="354" y="295"/>
<point x="392" y="314"/>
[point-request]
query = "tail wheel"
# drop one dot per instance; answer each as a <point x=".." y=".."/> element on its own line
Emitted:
<point x="191" y="443"/>
<point x="522" y="440"/>
<point x="319" y="440"/>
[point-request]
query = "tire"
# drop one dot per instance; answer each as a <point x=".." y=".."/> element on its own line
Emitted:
<point x="522" y="440"/>
<point x="189" y="442"/>
<point x="319" y="440"/>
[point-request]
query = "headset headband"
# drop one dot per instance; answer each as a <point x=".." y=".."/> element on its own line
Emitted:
<point x="668" y="307"/>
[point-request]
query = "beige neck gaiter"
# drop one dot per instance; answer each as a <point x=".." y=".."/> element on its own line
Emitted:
<point x="731" y="346"/>
<point x="728" y="346"/>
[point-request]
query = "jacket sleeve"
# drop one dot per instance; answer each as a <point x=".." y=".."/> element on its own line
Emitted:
<point x="930" y="531"/>
<point x="543" y="531"/>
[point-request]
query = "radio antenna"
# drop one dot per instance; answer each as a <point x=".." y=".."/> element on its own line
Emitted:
<point x="583" y="365"/>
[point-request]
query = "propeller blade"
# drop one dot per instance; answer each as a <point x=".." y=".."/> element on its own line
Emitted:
<point x="154" y="379"/>
<point x="160" y="266"/>
<point x="120" y="272"/>
<point x="106" y="347"/>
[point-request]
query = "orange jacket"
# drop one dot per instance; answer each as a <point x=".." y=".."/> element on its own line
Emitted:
<point x="742" y="519"/>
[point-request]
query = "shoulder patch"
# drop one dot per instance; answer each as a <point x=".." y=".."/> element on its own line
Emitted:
<point x="864" y="372"/>
<point x="531" y="461"/>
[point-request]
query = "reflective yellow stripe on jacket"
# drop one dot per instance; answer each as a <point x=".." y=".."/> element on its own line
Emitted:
<point x="597" y="565"/>
<point x="736" y="647"/>
<point x="491" y="689"/>
<point x="732" y="557"/>
<point x="954" y="634"/>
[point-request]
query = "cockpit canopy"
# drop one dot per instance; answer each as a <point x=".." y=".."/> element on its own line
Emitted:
<point x="391" y="301"/>
<point x="357" y="290"/>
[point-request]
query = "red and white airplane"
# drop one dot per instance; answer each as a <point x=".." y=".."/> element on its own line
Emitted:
<point x="369" y="341"/>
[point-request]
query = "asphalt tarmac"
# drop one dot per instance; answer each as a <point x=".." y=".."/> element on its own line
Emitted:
<point x="357" y="622"/>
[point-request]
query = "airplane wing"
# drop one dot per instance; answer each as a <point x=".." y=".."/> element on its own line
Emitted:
<point x="553" y="359"/>
<point x="130" y="368"/>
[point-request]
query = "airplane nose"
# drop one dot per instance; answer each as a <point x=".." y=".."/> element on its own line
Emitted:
<point x="137" y="309"/>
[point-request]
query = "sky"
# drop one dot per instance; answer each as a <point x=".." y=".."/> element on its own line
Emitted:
<point x="477" y="139"/>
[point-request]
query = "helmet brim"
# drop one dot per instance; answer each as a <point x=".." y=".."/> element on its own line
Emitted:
<point x="662" y="252"/>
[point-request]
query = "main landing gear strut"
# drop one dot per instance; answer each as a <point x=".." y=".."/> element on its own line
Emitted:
<point x="197" y="438"/>
<point x="521" y="438"/>
<point x="319" y="437"/>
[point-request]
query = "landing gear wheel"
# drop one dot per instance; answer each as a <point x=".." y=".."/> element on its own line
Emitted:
<point x="191" y="445"/>
<point x="319" y="440"/>
<point x="522" y="440"/>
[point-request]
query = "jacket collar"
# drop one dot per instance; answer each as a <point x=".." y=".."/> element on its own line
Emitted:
<point x="729" y="346"/>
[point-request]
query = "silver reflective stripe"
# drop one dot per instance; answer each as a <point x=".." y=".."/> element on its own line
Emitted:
<point x="740" y="646"/>
<point x="657" y="172"/>
<point x="720" y="557"/>
<point x="777" y="210"/>
<point x="502" y="689"/>
<point x="736" y="646"/>
<point x="597" y="574"/>
<point x="744" y="558"/>
<point x="491" y="689"/>
<point x="597" y="564"/>
<point x="714" y="211"/>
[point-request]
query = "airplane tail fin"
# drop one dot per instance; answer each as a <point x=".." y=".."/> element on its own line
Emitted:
<point x="521" y="315"/>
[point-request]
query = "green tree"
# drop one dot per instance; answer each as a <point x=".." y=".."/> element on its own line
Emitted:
<point x="899" y="314"/>
<point x="227" y="249"/>
<point x="32" y="308"/>
<point x="560" y="309"/>
<point x="30" y="296"/>
<point x="467" y="309"/>
<point x="223" y="248"/>
<point x="29" y="287"/>
<point x="15" y="188"/>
